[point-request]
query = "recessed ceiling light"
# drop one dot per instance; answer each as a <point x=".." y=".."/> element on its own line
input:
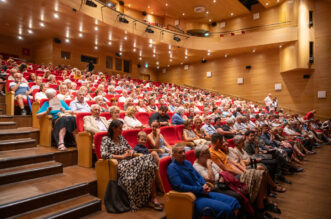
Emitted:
<point x="277" y="1"/>
<point x="20" y="37"/>
<point x="254" y="50"/>
<point x="95" y="47"/>
<point x="126" y="32"/>
<point x="42" y="24"/>
<point x="157" y="63"/>
<point x="232" y="14"/>
<point x="226" y="55"/>
<point x="170" y="60"/>
<point x="168" y="66"/>
<point x="166" y="4"/>
<point x="280" y="46"/>
<point x="148" y="6"/>
<point x="30" y="31"/>
<point x="209" y="20"/>
<point x="3" y="0"/>
<point x="120" y="53"/>
<point x="267" y="3"/>
<point x="109" y="43"/>
<point x="140" y="58"/>
<point x="186" y="57"/>
<point x="67" y="40"/>
<point x="150" y="41"/>
<point x="207" y="12"/>
<point x="134" y="50"/>
<point x="183" y="14"/>
<point x="214" y="1"/>
<point x="56" y="15"/>
<point x="96" y="28"/>
<point x="80" y="35"/>
<point x="157" y="67"/>
<point x="129" y="5"/>
<point x="125" y="37"/>
<point x="154" y="55"/>
<point x="96" y="21"/>
<point x="152" y="12"/>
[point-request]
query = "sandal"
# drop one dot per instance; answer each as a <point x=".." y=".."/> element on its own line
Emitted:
<point x="156" y="206"/>
<point x="279" y="189"/>
<point x="273" y="208"/>
<point x="61" y="147"/>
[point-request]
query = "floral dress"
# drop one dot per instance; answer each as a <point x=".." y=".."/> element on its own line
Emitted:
<point x="135" y="174"/>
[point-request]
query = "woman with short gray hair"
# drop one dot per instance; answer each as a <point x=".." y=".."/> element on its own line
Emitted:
<point x="177" y="118"/>
<point x="64" y="125"/>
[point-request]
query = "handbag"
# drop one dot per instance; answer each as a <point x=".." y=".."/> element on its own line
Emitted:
<point x="116" y="198"/>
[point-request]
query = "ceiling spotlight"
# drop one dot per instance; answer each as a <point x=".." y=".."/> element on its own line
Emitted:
<point x="186" y="57"/>
<point x="170" y="60"/>
<point x="150" y="45"/>
<point x="157" y="67"/>
<point x="20" y="37"/>
<point x="120" y="54"/>
<point x="109" y="43"/>
<point x="226" y="55"/>
<point x="206" y="34"/>
<point x="140" y="58"/>
<point x="148" y="6"/>
<point x="149" y="30"/>
<point x="176" y="38"/>
<point x="125" y="37"/>
<point x="91" y="3"/>
<point x="123" y="20"/>
<point x="3" y="1"/>
<point x="232" y="14"/>
<point x="96" y="28"/>
<point x="153" y="55"/>
<point x="30" y="31"/>
<point x="168" y="66"/>
<point x="134" y="50"/>
<point x="254" y="50"/>
<point x="56" y="15"/>
<point x="267" y="4"/>
<point x="207" y="12"/>
<point x="280" y="46"/>
<point x="166" y="4"/>
<point x="42" y="24"/>
<point x="67" y="40"/>
<point x="183" y="14"/>
<point x="181" y="63"/>
<point x="109" y="4"/>
<point x="96" y="48"/>
<point x="80" y="35"/>
<point x="214" y="1"/>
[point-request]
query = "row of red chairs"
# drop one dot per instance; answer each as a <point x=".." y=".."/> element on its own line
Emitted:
<point x="172" y="134"/>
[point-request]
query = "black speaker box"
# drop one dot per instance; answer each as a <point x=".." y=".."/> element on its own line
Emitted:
<point x="306" y="76"/>
<point x="57" y="40"/>
<point x="248" y="67"/>
<point x="138" y="66"/>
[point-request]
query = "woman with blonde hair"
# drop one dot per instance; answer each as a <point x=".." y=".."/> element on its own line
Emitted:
<point x="130" y="118"/>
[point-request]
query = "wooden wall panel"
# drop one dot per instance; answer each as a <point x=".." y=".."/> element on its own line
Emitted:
<point x="12" y="45"/>
<point x="43" y="52"/>
<point x="297" y="93"/>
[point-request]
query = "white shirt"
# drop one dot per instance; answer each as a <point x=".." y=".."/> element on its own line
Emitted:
<point x="122" y="99"/>
<point x="62" y="97"/>
<point x="267" y="101"/>
<point x="132" y="122"/>
<point x="203" y="171"/>
<point x="40" y="96"/>
<point x="100" y="124"/>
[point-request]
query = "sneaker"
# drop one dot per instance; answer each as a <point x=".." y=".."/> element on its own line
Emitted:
<point x="23" y="112"/>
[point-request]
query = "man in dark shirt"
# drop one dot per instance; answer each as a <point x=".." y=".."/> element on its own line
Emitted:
<point x="224" y="130"/>
<point x="90" y="66"/>
<point x="160" y="116"/>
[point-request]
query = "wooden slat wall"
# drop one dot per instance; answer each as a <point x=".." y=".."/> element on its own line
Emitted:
<point x="298" y="93"/>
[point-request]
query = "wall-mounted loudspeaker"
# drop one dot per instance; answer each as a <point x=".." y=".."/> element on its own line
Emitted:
<point x="311" y="23"/>
<point x="144" y="13"/>
<point x="306" y="76"/>
<point x="138" y="66"/>
<point x="121" y="3"/>
<point x="311" y="52"/>
<point x="57" y="40"/>
<point x="213" y="24"/>
<point x="248" y="67"/>
<point x="203" y="61"/>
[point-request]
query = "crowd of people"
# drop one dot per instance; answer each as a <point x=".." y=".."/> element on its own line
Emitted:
<point x="229" y="181"/>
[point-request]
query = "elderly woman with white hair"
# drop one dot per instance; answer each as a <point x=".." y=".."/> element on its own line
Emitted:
<point x="177" y="118"/>
<point x="63" y="123"/>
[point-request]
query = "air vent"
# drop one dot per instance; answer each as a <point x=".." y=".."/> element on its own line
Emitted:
<point x="199" y="9"/>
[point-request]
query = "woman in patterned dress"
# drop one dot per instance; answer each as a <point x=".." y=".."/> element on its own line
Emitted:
<point x="135" y="174"/>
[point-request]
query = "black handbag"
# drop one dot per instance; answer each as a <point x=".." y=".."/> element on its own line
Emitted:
<point x="116" y="198"/>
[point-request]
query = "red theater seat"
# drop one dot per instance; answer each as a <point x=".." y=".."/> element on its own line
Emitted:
<point x="143" y="117"/>
<point x="80" y="121"/>
<point x="179" y="131"/>
<point x="97" y="143"/>
<point x="131" y="136"/>
<point x="170" y="134"/>
<point x="231" y="143"/>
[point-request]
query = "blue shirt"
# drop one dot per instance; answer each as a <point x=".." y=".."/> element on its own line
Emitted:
<point x="141" y="149"/>
<point x="184" y="178"/>
<point x="177" y="119"/>
<point x="53" y="113"/>
<point x="209" y="129"/>
<point x="21" y="89"/>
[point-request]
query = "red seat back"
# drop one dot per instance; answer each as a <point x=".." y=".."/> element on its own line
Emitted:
<point x="143" y="117"/>
<point x="131" y="136"/>
<point x="42" y="101"/>
<point x="163" y="166"/>
<point x="231" y="143"/>
<point x="179" y="131"/>
<point x="97" y="143"/>
<point x="190" y="156"/>
<point x="170" y="135"/>
<point x="122" y="115"/>
<point x="170" y="114"/>
<point x="80" y="121"/>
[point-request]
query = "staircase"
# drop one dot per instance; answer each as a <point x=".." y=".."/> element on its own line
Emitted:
<point x="38" y="181"/>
